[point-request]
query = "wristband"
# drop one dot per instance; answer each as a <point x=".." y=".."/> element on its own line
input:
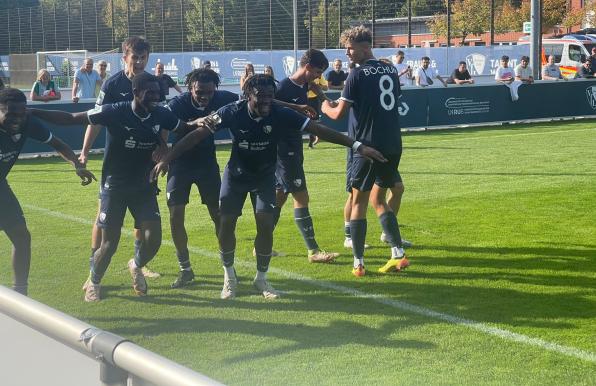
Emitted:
<point x="356" y="145"/>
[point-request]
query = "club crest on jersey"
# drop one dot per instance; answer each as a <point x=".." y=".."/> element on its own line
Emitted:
<point x="591" y="95"/>
<point x="130" y="143"/>
<point x="267" y="129"/>
<point x="102" y="217"/>
<point x="155" y="129"/>
<point x="16" y="137"/>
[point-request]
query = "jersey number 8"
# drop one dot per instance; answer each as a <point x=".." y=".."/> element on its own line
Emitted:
<point x="386" y="92"/>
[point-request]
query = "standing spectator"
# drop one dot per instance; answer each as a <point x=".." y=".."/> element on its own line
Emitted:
<point x="337" y="76"/>
<point x="249" y="71"/>
<point x="461" y="75"/>
<point x="1" y="84"/>
<point x="425" y="74"/>
<point x="585" y="70"/>
<point x="86" y="80"/>
<point x="269" y="71"/>
<point x="44" y="89"/>
<point x="165" y="82"/>
<point x="551" y="71"/>
<point x="523" y="72"/>
<point x="506" y="75"/>
<point x="316" y="93"/>
<point x="103" y="74"/>
<point x="404" y="71"/>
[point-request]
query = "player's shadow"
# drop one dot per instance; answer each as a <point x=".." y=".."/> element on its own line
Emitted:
<point x="503" y="174"/>
<point x="300" y="336"/>
<point x="410" y="147"/>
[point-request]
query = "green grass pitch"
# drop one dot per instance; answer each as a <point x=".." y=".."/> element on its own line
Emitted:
<point x="501" y="290"/>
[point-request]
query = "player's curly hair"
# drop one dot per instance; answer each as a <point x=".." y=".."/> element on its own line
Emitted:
<point x="357" y="34"/>
<point x="256" y="81"/>
<point x="12" y="95"/>
<point x="202" y="75"/>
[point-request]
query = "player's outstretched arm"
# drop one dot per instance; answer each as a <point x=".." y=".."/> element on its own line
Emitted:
<point x="186" y="143"/>
<point x="61" y="117"/>
<point x="91" y="134"/>
<point x="336" y="137"/>
<point x="66" y="152"/>
<point x="302" y="109"/>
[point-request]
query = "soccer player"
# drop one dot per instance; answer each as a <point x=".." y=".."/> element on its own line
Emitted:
<point x="118" y="88"/>
<point x="16" y="125"/>
<point x="256" y="126"/>
<point x="290" y="158"/>
<point x="195" y="167"/>
<point x="133" y="133"/>
<point x="371" y="91"/>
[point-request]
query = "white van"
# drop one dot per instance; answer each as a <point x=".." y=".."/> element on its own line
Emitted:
<point x="570" y="51"/>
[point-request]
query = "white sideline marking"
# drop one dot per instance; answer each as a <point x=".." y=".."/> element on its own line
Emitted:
<point x="487" y="329"/>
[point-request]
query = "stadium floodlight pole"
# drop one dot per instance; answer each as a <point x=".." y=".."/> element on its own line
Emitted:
<point x="295" y="16"/>
<point x="535" y="38"/>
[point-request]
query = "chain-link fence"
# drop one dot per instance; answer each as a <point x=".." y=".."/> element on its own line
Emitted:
<point x="223" y="25"/>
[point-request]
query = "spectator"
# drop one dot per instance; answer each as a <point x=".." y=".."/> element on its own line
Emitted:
<point x="269" y="71"/>
<point x="103" y="75"/>
<point x="336" y="77"/>
<point x="249" y="70"/>
<point x="165" y="82"/>
<point x="585" y="70"/>
<point x="461" y="75"/>
<point x="425" y="74"/>
<point x="1" y="84"/>
<point x="85" y="82"/>
<point x="404" y="71"/>
<point x="506" y="75"/>
<point x="207" y="64"/>
<point x="44" y="89"/>
<point x="523" y="71"/>
<point x="551" y="71"/>
<point x="316" y="93"/>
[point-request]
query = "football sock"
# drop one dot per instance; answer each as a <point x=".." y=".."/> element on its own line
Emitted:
<point x="347" y="230"/>
<point x="358" y="261"/>
<point x="229" y="272"/>
<point x="93" y="250"/>
<point x="137" y="246"/>
<point x="261" y="275"/>
<point x="263" y="262"/>
<point x="227" y="258"/>
<point x="304" y="223"/>
<point x="390" y="228"/>
<point x="358" y="231"/>
<point x="183" y="260"/>
<point x="276" y="215"/>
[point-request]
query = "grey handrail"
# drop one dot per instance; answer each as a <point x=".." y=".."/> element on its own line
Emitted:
<point x="119" y="358"/>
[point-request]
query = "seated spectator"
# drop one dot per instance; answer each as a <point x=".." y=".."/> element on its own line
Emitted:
<point x="336" y="77"/>
<point x="249" y="70"/>
<point x="506" y="75"/>
<point x="404" y="71"/>
<point x="165" y="82"/>
<point x="461" y="75"/>
<point x="551" y="71"/>
<point x="85" y="82"/>
<point x="523" y="72"/>
<point x="585" y="70"/>
<point x="425" y="74"/>
<point x="44" y="89"/>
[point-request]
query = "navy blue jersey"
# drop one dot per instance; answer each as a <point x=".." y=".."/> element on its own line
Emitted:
<point x="290" y="92"/>
<point x="255" y="139"/>
<point x="11" y="145"/>
<point x="130" y="141"/>
<point x="184" y="108"/>
<point x="118" y="88"/>
<point x="373" y="89"/>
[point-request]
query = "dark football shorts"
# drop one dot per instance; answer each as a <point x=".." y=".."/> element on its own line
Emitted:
<point x="364" y="173"/>
<point x="235" y="189"/>
<point x="349" y="156"/>
<point x="289" y="175"/>
<point x="11" y="213"/>
<point x="141" y="204"/>
<point x="181" y="180"/>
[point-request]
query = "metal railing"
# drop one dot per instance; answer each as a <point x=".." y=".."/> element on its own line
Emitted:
<point x="121" y="361"/>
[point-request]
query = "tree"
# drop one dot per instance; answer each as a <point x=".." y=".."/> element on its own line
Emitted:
<point x="468" y="17"/>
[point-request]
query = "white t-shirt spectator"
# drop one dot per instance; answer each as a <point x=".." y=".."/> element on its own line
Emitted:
<point x="425" y="74"/>
<point x="504" y="72"/>
<point x="523" y="73"/>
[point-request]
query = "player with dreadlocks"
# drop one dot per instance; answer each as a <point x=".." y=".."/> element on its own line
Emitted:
<point x="198" y="166"/>
<point x="256" y="125"/>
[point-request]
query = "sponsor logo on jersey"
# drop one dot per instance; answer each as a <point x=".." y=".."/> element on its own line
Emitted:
<point x="243" y="145"/>
<point x="130" y="143"/>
